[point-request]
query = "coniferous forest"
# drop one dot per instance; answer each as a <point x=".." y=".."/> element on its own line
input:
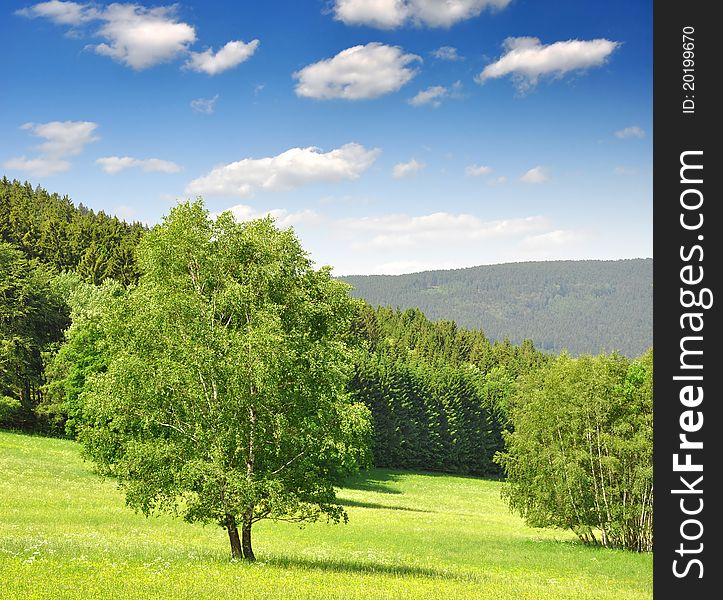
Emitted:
<point x="582" y="306"/>
<point x="78" y="290"/>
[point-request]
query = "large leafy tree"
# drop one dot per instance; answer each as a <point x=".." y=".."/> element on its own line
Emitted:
<point x="223" y="398"/>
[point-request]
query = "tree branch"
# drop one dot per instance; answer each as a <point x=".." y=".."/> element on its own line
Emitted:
<point x="287" y="463"/>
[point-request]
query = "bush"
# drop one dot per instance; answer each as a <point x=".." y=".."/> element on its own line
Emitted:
<point x="12" y="415"/>
<point x="581" y="453"/>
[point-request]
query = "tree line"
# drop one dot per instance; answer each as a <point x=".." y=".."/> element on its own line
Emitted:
<point x="212" y="365"/>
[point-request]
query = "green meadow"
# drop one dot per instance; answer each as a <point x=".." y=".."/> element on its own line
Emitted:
<point x="66" y="533"/>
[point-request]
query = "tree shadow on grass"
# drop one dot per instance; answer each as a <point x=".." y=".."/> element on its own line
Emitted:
<point x="360" y="504"/>
<point x="375" y="480"/>
<point x="365" y="567"/>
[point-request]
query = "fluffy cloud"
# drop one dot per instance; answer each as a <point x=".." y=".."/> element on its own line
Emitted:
<point x="62" y="139"/>
<point x="477" y="170"/>
<point x="204" y="105"/>
<point x="141" y="37"/>
<point x="116" y="164"/>
<point x="405" y="169"/>
<point x="446" y="53"/>
<point x="630" y="132"/>
<point x="288" y="170"/>
<point x="389" y="14"/>
<point x="432" y="95"/>
<point x="231" y="55"/>
<point x="535" y="175"/>
<point x="61" y="13"/>
<point x="357" y="73"/>
<point x="526" y="59"/>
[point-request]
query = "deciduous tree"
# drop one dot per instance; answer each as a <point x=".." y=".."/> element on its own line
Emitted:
<point x="224" y="396"/>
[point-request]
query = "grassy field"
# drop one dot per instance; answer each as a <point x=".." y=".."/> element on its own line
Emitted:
<point x="66" y="533"/>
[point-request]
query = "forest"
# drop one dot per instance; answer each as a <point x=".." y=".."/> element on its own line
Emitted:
<point x="213" y="370"/>
<point x="582" y="306"/>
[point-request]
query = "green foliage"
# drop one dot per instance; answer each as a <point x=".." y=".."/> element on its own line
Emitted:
<point x="42" y="235"/>
<point x="49" y="228"/>
<point x="580" y="455"/>
<point x="437" y="392"/>
<point x="585" y="306"/>
<point x="32" y="317"/>
<point x="86" y="350"/>
<point x="222" y="395"/>
<point x="11" y="412"/>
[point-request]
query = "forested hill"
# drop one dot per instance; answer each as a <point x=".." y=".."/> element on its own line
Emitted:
<point x="52" y="230"/>
<point x="582" y="306"/>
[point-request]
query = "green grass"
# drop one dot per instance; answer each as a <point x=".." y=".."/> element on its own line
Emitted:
<point x="66" y="533"/>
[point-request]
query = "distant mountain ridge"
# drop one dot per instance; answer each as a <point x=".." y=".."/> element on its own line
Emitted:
<point x="583" y="306"/>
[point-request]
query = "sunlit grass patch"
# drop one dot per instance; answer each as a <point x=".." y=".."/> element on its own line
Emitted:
<point x="66" y="533"/>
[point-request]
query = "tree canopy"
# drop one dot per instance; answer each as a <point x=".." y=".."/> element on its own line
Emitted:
<point x="224" y="395"/>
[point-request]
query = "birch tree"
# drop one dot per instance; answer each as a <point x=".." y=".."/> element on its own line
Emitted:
<point x="224" y="398"/>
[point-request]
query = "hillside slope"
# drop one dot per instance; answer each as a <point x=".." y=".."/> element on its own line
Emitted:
<point x="582" y="306"/>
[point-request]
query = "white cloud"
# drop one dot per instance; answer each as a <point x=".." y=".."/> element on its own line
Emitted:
<point x="446" y="53"/>
<point x="205" y="106"/>
<point x="38" y="167"/>
<point x="633" y="131"/>
<point x="405" y="169"/>
<point x="357" y="73"/>
<point x="389" y="14"/>
<point x="432" y="95"/>
<point x="527" y="59"/>
<point x="403" y="243"/>
<point x="477" y="170"/>
<point x="501" y="180"/>
<point x="383" y="14"/>
<point x="134" y="35"/>
<point x="231" y="55"/>
<point x="283" y="217"/>
<point x="141" y="37"/>
<point x="395" y="231"/>
<point x="288" y="170"/>
<point x="535" y="175"/>
<point x="116" y="164"/>
<point x="62" y="139"/>
<point x="61" y="13"/>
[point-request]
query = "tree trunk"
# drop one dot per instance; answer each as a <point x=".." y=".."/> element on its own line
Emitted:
<point x="246" y="540"/>
<point x="236" y="551"/>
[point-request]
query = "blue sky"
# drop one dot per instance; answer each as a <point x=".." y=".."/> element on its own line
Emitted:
<point x="393" y="135"/>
